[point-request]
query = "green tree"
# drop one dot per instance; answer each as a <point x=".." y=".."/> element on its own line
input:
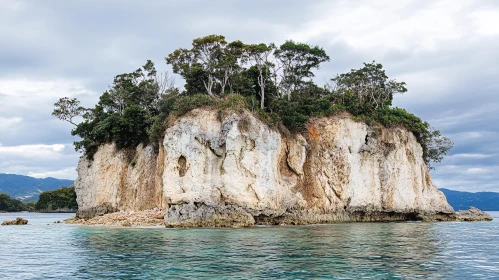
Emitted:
<point x="436" y="146"/>
<point x="136" y="107"/>
<point x="62" y="198"/>
<point x="297" y="61"/>
<point x="206" y="53"/>
<point x="259" y="56"/>
<point x="8" y="204"/>
<point x="141" y="88"/>
<point x="67" y="109"/>
<point x="230" y="65"/>
<point x="369" y="84"/>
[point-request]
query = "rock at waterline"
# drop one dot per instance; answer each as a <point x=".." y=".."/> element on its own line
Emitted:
<point x="16" y="222"/>
<point x="473" y="215"/>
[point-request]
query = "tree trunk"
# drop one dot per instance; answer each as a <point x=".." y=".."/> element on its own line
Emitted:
<point x="261" y="82"/>
<point x="262" y="100"/>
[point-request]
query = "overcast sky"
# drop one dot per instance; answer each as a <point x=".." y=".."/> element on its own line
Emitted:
<point x="446" y="51"/>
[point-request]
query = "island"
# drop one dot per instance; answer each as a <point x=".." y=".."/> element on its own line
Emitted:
<point x="252" y="140"/>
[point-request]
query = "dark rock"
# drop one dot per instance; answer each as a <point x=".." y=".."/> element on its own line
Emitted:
<point x="100" y="210"/>
<point x="16" y="222"/>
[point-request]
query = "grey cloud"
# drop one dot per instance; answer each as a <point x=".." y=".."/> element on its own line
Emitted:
<point x="454" y="85"/>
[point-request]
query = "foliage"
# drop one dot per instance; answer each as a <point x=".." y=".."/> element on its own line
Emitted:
<point x="165" y="107"/>
<point x="273" y="81"/>
<point x="297" y="60"/>
<point x="368" y="86"/>
<point x="126" y="111"/>
<point x="8" y="204"/>
<point x="233" y="102"/>
<point x="28" y="188"/>
<point x="258" y="55"/>
<point x="185" y="104"/>
<point x="63" y="198"/>
<point x="211" y="58"/>
<point x="67" y="109"/>
<point x="295" y="113"/>
<point x="435" y="146"/>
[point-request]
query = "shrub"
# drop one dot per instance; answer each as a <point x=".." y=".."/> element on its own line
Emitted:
<point x="233" y="102"/>
<point x="184" y="104"/>
<point x="157" y="128"/>
<point x="295" y="113"/>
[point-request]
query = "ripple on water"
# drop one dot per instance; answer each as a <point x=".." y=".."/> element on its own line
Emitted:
<point x="43" y="250"/>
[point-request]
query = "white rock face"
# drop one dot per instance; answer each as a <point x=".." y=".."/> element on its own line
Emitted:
<point x="215" y="170"/>
<point x="114" y="181"/>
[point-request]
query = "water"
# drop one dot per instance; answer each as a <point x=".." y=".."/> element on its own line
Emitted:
<point x="44" y="250"/>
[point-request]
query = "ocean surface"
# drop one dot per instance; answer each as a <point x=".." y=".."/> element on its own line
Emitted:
<point x="46" y="250"/>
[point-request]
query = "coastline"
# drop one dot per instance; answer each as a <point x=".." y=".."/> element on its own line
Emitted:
<point x="156" y="217"/>
<point x="153" y="217"/>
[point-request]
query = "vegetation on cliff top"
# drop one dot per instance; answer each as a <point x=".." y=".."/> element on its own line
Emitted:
<point x="276" y="82"/>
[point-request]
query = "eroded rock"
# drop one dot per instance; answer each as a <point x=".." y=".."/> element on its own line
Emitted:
<point x="234" y="170"/>
<point x="17" y="222"/>
<point x="473" y="215"/>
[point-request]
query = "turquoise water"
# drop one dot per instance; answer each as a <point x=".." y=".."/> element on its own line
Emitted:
<point x="44" y="250"/>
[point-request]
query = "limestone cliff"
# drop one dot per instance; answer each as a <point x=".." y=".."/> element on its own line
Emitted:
<point x="216" y="169"/>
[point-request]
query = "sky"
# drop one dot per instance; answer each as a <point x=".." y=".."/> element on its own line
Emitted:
<point x="445" y="50"/>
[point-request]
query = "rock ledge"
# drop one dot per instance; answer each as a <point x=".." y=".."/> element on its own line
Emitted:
<point x="472" y="215"/>
<point x="153" y="217"/>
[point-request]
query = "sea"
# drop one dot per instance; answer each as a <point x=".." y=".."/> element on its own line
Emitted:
<point x="44" y="249"/>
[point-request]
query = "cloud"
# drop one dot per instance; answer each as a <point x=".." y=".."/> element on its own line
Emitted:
<point x="33" y="151"/>
<point x="445" y="50"/>
<point x="479" y="170"/>
<point x="6" y="123"/>
<point x="486" y="22"/>
<point x="384" y="25"/>
<point x="67" y="173"/>
<point x="39" y="160"/>
<point x="26" y="106"/>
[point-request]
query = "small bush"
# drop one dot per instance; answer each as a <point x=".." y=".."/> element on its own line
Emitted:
<point x="157" y="128"/>
<point x="233" y="102"/>
<point x="184" y="104"/>
<point x="295" y="113"/>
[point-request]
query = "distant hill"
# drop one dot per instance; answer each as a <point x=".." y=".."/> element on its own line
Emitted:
<point x="486" y="201"/>
<point x="27" y="188"/>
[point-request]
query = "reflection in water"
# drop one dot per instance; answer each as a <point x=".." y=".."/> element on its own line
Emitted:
<point x="382" y="250"/>
<point x="348" y="250"/>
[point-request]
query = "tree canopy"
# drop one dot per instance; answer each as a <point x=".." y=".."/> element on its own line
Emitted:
<point x="274" y="81"/>
<point x="8" y="204"/>
<point x="61" y="199"/>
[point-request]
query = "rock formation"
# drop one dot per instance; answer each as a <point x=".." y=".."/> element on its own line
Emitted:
<point x="16" y="222"/>
<point x="473" y="215"/>
<point x="231" y="169"/>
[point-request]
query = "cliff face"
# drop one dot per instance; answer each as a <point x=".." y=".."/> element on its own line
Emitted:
<point x="224" y="170"/>
<point x="117" y="180"/>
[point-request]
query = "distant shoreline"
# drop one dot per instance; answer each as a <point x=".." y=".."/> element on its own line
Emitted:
<point x="44" y="211"/>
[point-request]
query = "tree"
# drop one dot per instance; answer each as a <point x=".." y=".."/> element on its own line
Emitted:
<point x="143" y="87"/>
<point x="206" y="53"/>
<point x="259" y="56"/>
<point x="63" y="198"/>
<point x="435" y="147"/>
<point x="369" y="83"/>
<point x="138" y="106"/>
<point x="230" y="65"/>
<point x="297" y="61"/>
<point x="66" y="109"/>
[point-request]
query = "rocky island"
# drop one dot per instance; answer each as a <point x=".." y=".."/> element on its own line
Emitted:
<point x="253" y="141"/>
